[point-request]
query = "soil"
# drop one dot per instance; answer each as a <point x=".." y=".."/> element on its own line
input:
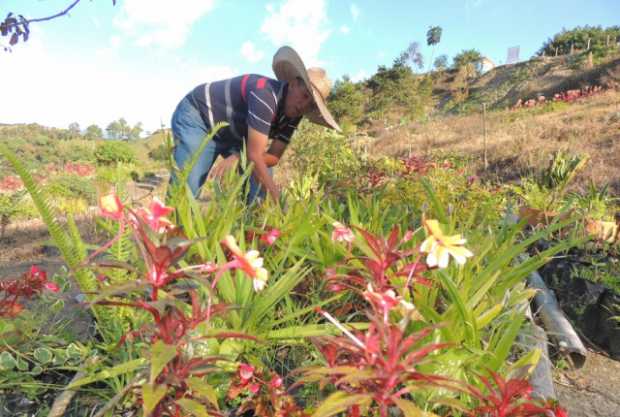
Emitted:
<point x="592" y="391"/>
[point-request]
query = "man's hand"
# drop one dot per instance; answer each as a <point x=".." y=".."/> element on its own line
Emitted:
<point x="219" y="170"/>
<point x="256" y="144"/>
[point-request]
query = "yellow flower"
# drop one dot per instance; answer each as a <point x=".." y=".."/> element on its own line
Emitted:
<point x="439" y="247"/>
<point x="251" y="263"/>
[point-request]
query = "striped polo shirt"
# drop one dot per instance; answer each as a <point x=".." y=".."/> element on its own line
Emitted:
<point x="247" y="100"/>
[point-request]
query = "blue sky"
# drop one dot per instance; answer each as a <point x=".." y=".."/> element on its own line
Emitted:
<point x="138" y="59"/>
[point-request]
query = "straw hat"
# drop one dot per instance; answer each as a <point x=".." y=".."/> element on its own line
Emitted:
<point x="287" y="65"/>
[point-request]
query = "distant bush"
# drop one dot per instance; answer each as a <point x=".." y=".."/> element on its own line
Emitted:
<point x="72" y="186"/>
<point x="318" y="151"/>
<point x="399" y="88"/>
<point x="160" y="153"/>
<point x="602" y="41"/>
<point x="112" y="152"/>
<point x="347" y="101"/>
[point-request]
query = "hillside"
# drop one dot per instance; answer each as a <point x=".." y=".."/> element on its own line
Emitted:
<point x="503" y="86"/>
<point x="519" y="142"/>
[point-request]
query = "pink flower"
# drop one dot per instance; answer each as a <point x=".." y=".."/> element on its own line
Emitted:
<point x="111" y="206"/>
<point x="341" y="233"/>
<point x="51" y="286"/>
<point x="154" y="216"/>
<point x="270" y="237"/>
<point x="246" y="372"/>
<point x="384" y="301"/>
<point x="276" y="382"/>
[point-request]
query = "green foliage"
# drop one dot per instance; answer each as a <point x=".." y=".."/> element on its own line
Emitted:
<point x="441" y="62"/>
<point x="469" y="58"/>
<point x="324" y="153"/>
<point x="596" y="203"/>
<point x="113" y="152"/>
<point x="10" y="206"/>
<point x="74" y="130"/>
<point x="347" y="101"/>
<point x="160" y="153"/>
<point x="120" y="129"/>
<point x="602" y="41"/>
<point x="399" y="88"/>
<point x="93" y="132"/>
<point x="69" y="244"/>
<point x="433" y="35"/>
<point x="71" y="186"/>
<point x="546" y="192"/>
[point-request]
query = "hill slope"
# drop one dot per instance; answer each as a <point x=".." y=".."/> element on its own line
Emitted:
<point x="504" y="85"/>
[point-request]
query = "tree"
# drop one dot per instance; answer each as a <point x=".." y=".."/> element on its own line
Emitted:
<point x="134" y="132"/>
<point x="441" y="62"/>
<point x="470" y="60"/>
<point x="93" y="132"/>
<point x="113" y="130"/>
<point x="124" y="129"/>
<point x="601" y="41"/>
<point x="346" y="101"/>
<point x="433" y="37"/>
<point x="74" y="130"/>
<point x="16" y="26"/>
<point x="411" y="55"/>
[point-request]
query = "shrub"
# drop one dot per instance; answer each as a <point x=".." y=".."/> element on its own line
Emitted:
<point x="160" y="153"/>
<point x="111" y="152"/>
<point x="72" y="186"/>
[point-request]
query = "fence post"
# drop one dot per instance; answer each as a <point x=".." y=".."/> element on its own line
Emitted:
<point x="484" y="132"/>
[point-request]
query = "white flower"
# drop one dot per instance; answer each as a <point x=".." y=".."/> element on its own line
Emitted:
<point x="439" y="246"/>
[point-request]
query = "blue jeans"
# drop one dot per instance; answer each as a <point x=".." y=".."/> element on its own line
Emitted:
<point x="189" y="130"/>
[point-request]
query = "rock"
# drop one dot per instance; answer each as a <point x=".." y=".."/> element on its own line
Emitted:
<point x="600" y="322"/>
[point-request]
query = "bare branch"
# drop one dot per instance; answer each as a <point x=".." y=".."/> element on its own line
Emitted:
<point x="18" y="26"/>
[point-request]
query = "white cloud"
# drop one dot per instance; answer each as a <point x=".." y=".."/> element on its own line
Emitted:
<point x="301" y="24"/>
<point x="94" y="89"/>
<point x="250" y="53"/>
<point x="359" y="76"/>
<point x="160" y="22"/>
<point x="355" y="11"/>
<point x="345" y="29"/>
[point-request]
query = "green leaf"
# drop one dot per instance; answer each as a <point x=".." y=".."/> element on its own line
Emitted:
<point x="409" y="409"/>
<point x="200" y="387"/>
<point x="193" y="407"/>
<point x="161" y="354"/>
<point x="120" y="369"/>
<point x="151" y="396"/>
<point x="43" y="355"/>
<point x="22" y="365"/>
<point x="487" y="317"/>
<point x="339" y="401"/>
<point x="7" y="361"/>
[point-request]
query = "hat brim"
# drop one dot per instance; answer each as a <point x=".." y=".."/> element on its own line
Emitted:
<point x="287" y="66"/>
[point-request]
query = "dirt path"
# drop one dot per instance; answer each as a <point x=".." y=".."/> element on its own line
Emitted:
<point x="593" y="391"/>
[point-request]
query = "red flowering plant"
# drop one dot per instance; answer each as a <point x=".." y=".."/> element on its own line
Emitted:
<point x="13" y="292"/>
<point x="510" y="398"/>
<point x="384" y="261"/>
<point x="178" y="380"/>
<point x="263" y="393"/>
<point x="377" y="369"/>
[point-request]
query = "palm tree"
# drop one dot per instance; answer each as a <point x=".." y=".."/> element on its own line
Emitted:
<point x="433" y="37"/>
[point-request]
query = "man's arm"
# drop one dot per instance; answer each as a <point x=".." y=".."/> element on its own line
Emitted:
<point x="256" y="144"/>
<point x="273" y="155"/>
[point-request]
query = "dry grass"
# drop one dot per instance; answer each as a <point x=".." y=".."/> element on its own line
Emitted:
<point x="521" y="141"/>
